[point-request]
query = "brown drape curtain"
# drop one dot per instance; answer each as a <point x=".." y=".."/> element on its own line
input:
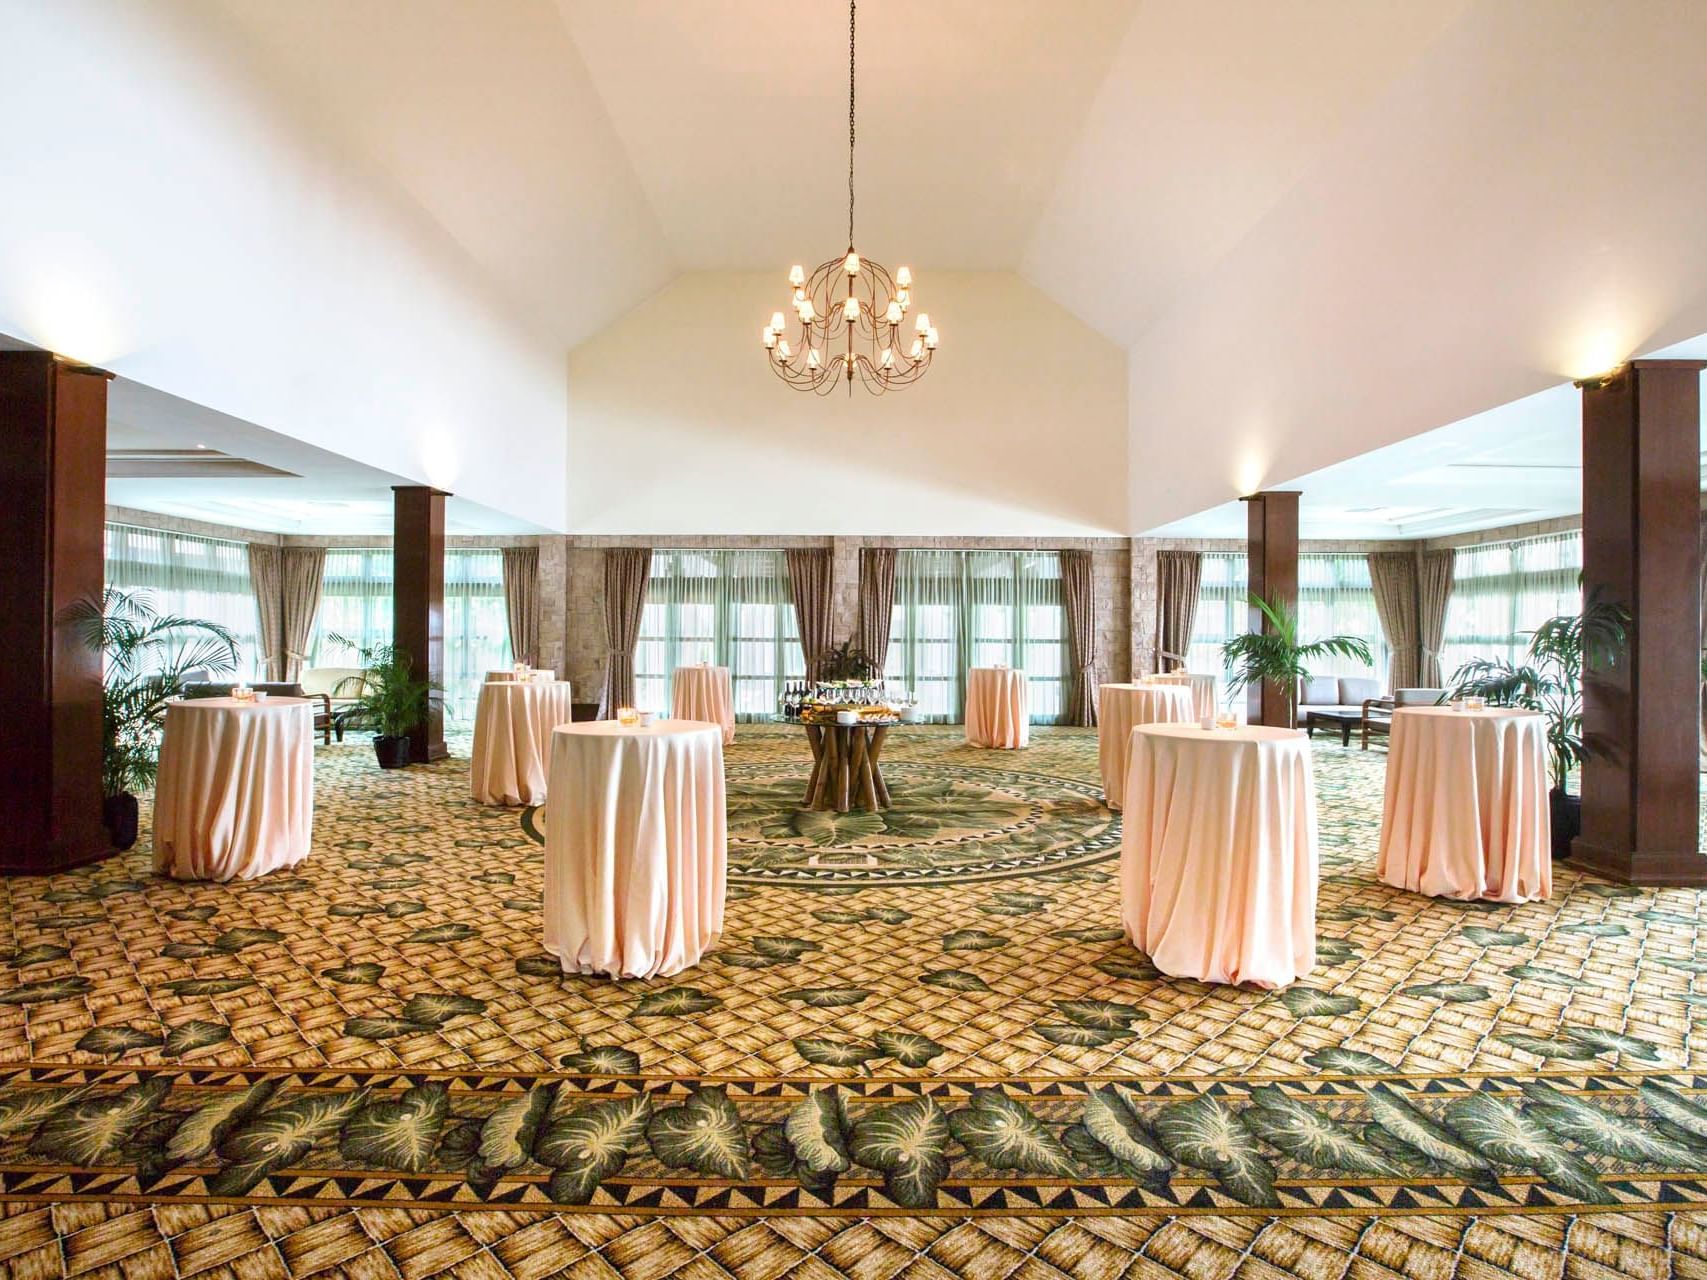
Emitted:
<point x="809" y="586"/>
<point x="521" y="602"/>
<point x="1178" y="577"/>
<point x="299" y="601"/>
<point x="1393" y="574"/>
<point x="1434" y="593"/>
<point x="266" y="580"/>
<point x="1078" y="601"/>
<point x="626" y="572"/>
<point x="876" y="601"/>
<point x="286" y="583"/>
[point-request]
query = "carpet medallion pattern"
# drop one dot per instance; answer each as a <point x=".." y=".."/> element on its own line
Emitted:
<point x="922" y="1038"/>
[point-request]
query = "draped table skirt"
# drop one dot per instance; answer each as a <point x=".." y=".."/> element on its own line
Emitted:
<point x="234" y="795"/>
<point x="704" y="693"/>
<point x="1218" y="856"/>
<point x="1466" y="812"/>
<point x="635" y="847"/>
<point x="998" y="708"/>
<point x="1122" y="708"/>
<point x="1202" y="690"/>
<point x="512" y="738"/>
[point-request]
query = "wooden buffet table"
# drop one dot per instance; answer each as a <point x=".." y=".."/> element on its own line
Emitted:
<point x="844" y="765"/>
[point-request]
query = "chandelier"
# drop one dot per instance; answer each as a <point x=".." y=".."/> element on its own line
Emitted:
<point x="850" y="314"/>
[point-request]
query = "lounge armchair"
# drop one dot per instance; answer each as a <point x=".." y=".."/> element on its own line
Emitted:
<point x="1378" y="712"/>
<point x="324" y="721"/>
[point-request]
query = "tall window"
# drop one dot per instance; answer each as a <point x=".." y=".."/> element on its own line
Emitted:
<point x="477" y="627"/>
<point x="961" y="609"/>
<point x="355" y="603"/>
<point x="1335" y="598"/>
<point x="1502" y="591"/>
<point x="730" y="607"/>
<point x="192" y="577"/>
<point x="1223" y="610"/>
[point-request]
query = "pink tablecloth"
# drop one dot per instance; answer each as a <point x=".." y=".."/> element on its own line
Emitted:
<point x="998" y="708"/>
<point x="704" y="693"/>
<point x="1466" y="811"/>
<point x="1120" y="709"/>
<point x="234" y="798"/>
<point x="1202" y="690"/>
<point x="512" y="738"/>
<point x="635" y="842"/>
<point x="1218" y="853"/>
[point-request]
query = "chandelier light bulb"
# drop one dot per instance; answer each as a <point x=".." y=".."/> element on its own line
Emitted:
<point x="917" y="351"/>
<point x="782" y="350"/>
<point x="888" y="361"/>
<point x="797" y="276"/>
<point x="893" y="314"/>
<point x="812" y="360"/>
<point x="806" y="311"/>
<point x="930" y="339"/>
<point x="904" y="278"/>
<point x="850" y="309"/>
<point x="770" y="337"/>
<point x="903" y="296"/>
<point x="776" y="321"/>
<point x="851" y="263"/>
<point x="921" y="324"/>
<point x="799" y="296"/>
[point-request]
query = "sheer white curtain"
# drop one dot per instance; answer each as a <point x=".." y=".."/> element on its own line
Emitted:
<point x="1223" y="610"/>
<point x="191" y="576"/>
<point x="355" y="603"/>
<point x="477" y="627"/>
<point x="1336" y="598"/>
<point x="1501" y="591"/>
<point x="726" y="606"/>
<point x="961" y="609"/>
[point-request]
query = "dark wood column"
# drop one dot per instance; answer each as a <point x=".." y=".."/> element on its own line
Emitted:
<point x="1271" y="551"/>
<point x="418" y="601"/>
<point x="1641" y="522"/>
<point x="53" y="475"/>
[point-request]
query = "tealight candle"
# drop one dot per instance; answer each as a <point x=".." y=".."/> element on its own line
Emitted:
<point x="1226" y="720"/>
<point x="627" y="716"/>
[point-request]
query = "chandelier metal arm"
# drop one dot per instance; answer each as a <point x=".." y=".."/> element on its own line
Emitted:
<point x="852" y="303"/>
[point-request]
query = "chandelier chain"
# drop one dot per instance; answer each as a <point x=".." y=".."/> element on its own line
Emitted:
<point x="851" y="5"/>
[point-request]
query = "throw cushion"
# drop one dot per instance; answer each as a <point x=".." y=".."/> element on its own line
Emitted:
<point x="1320" y="691"/>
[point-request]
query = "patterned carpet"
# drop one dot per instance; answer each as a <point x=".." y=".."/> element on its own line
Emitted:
<point x="921" y="1049"/>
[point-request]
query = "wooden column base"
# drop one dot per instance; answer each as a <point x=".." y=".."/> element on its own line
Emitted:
<point x="1664" y="869"/>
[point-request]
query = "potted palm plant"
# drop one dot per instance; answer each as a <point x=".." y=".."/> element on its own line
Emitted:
<point x="146" y="655"/>
<point x="847" y="662"/>
<point x="389" y="698"/>
<point x="1275" y="654"/>
<point x="1550" y="681"/>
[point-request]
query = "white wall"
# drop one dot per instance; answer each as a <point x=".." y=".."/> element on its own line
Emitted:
<point x="678" y="426"/>
<point x="1523" y="207"/>
<point x="163" y="216"/>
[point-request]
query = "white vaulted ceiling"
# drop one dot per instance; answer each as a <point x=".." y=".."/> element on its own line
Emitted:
<point x="735" y="116"/>
<point x="1308" y="230"/>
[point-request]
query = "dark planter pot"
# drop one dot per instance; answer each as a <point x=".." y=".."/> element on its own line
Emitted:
<point x="119" y="816"/>
<point x="1567" y="814"/>
<point x="392" y="753"/>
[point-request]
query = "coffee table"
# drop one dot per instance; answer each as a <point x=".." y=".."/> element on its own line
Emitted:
<point x="1345" y="719"/>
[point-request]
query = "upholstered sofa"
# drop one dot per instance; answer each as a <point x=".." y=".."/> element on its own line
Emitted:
<point x="1334" y="701"/>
